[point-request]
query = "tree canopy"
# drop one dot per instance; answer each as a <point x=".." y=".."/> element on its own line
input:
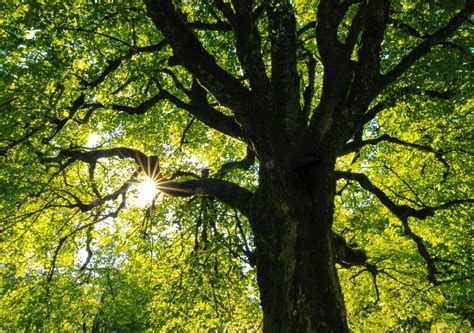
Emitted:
<point x="264" y="126"/>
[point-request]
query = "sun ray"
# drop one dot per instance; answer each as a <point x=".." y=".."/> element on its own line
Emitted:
<point x="147" y="191"/>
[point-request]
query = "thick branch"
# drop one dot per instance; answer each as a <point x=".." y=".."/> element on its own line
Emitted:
<point x="211" y="117"/>
<point x="148" y="164"/>
<point x="309" y="90"/>
<point x="403" y="212"/>
<point x="114" y="64"/>
<point x="225" y="191"/>
<point x="210" y="26"/>
<point x="374" y="111"/>
<point x="346" y="255"/>
<point x="282" y="25"/>
<point x="244" y="164"/>
<point x="249" y="47"/>
<point x="375" y="20"/>
<point x="355" y="29"/>
<point x="329" y="46"/>
<point x="200" y="110"/>
<point x="189" y="52"/>
<point x="356" y="145"/>
<point x="425" y="46"/>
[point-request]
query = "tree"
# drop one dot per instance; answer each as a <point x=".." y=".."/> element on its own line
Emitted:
<point x="349" y="119"/>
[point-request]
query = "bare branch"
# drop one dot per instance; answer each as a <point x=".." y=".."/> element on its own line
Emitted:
<point x="88" y="249"/>
<point x="183" y="136"/>
<point x="208" y="115"/>
<point x="201" y="111"/>
<point x="306" y="27"/>
<point x="122" y="190"/>
<point x="346" y="255"/>
<point x="133" y="110"/>
<point x="447" y="94"/>
<point x="114" y="64"/>
<point x="374" y="111"/>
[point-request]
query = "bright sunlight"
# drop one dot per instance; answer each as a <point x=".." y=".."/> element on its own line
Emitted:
<point x="147" y="191"/>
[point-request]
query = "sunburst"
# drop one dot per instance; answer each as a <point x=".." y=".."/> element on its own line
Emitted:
<point x="147" y="191"/>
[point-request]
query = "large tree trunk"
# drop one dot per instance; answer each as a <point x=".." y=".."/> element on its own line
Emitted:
<point x="292" y="220"/>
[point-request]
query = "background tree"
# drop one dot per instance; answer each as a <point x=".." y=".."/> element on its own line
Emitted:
<point x="287" y="137"/>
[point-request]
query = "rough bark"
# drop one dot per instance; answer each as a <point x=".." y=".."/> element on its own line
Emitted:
<point x="292" y="219"/>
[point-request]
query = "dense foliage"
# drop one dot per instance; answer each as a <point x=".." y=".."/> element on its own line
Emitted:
<point x="91" y="98"/>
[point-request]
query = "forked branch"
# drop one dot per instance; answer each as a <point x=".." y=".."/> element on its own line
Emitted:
<point x="403" y="212"/>
<point x="189" y="52"/>
<point x="356" y="145"/>
<point x="427" y="44"/>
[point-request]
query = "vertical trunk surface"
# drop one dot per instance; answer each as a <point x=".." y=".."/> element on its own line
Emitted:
<point x="298" y="281"/>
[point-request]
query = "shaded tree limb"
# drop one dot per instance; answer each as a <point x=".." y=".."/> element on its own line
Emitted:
<point x="204" y="112"/>
<point x="189" y="52"/>
<point x="185" y="131"/>
<point x="355" y="29"/>
<point x="306" y="27"/>
<point x="371" y="113"/>
<point x="225" y="191"/>
<point x="249" y="46"/>
<point x="72" y="155"/>
<point x="210" y="26"/>
<point x="248" y="252"/>
<point x="356" y="145"/>
<point x="446" y="95"/>
<point x="284" y="74"/>
<point x="346" y="255"/>
<point x="374" y="111"/>
<point x="88" y="249"/>
<point x="330" y="48"/>
<point x="63" y="240"/>
<point x="244" y="164"/>
<point x="115" y="64"/>
<point x="142" y="108"/>
<point x="308" y="93"/>
<point x="121" y="191"/>
<point x="426" y="45"/>
<point x="373" y="23"/>
<point x="201" y="111"/>
<point x="449" y="44"/>
<point x="403" y="212"/>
